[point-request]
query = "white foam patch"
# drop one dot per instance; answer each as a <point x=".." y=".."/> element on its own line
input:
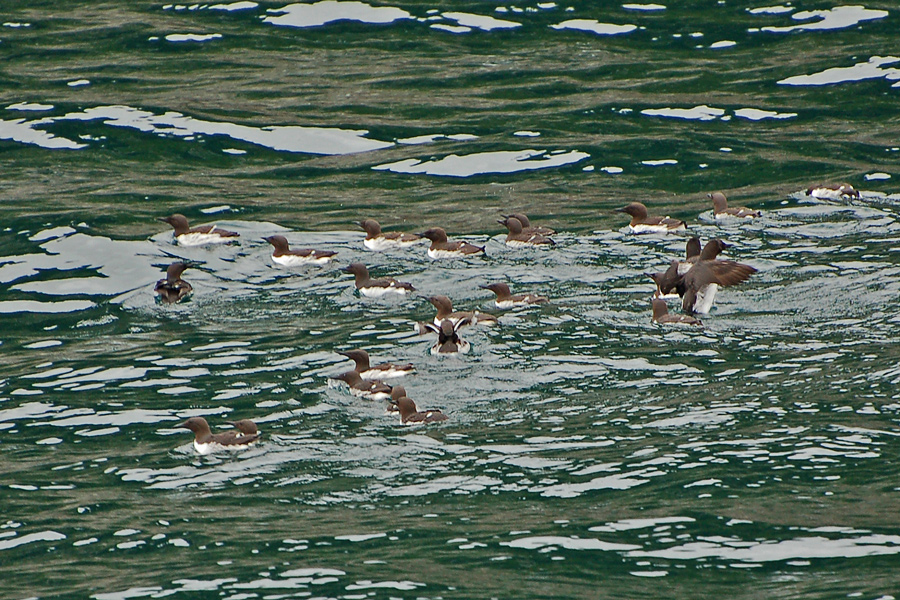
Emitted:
<point x="629" y="524"/>
<point x="619" y="481"/>
<point x="329" y="11"/>
<point x="770" y="10"/>
<point x="215" y="209"/>
<point x="29" y="106"/>
<point x="309" y="140"/>
<point x="770" y="551"/>
<point x="485" y="162"/>
<point x="877" y="176"/>
<point x="755" y="114"/>
<point x="839" y="17"/>
<point x="427" y="139"/>
<point x="596" y="27"/>
<point x="35" y="306"/>
<point x="451" y="28"/>
<point x="21" y="131"/>
<point x="192" y="37"/>
<point x="698" y="113"/>
<point x="871" y="69"/>
<point x="234" y="6"/>
<point x="479" y="21"/>
<point x="647" y="7"/>
<point x="79" y="82"/>
<point x="360" y="537"/>
<point x="43" y="344"/>
<point x="659" y="163"/>
<point x="722" y="44"/>
<point x="569" y="543"/>
<point x="43" y="536"/>
<point x="367" y="584"/>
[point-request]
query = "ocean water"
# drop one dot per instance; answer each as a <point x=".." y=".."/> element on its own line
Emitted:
<point x="589" y="452"/>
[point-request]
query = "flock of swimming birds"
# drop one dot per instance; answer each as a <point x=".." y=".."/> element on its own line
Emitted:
<point x="695" y="280"/>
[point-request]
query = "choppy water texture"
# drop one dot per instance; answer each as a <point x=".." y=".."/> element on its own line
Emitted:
<point x="589" y="452"/>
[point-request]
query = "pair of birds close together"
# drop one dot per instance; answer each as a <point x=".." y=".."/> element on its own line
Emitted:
<point x="642" y="222"/>
<point x="696" y="279"/>
<point x="521" y="233"/>
<point x="366" y="380"/>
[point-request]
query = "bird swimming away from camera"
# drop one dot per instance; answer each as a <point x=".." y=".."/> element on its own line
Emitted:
<point x="449" y="341"/>
<point x="173" y="288"/>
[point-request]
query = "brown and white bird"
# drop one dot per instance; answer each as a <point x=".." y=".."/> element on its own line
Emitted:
<point x="721" y="210"/>
<point x="201" y="235"/>
<point x="527" y="227"/>
<point x="173" y="288"/>
<point x="698" y="286"/>
<point x="449" y="341"/>
<point x="205" y="441"/>
<point x="661" y="314"/>
<point x="372" y="389"/>
<point x="380" y="371"/>
<point x="666" y="281"/>
<point x="506" y="299"/>
<point x="283" y="255"/>
<point x="376" y="288"/>
<point x="641" y="222"/>
<point x="832" y="191"/>
<point x="441" y="247"/>
<point x="518" y="237"/>
<point x="410" y="414"/>
<point x="379" y="240"/>
<point x="445" y="311"/>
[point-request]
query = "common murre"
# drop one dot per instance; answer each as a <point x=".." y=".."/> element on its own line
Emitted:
<point x="721" y="210"/>
<point x="173" y="288"/>
<point x="373" y="389"/>
<point x="441" y="247"/>
<point x="201" y="235"/>
<point x="283" y="255"/>
<point x="380" y="371"/>
<point x="410" y="414"/>
<point x="506" y="299"/>
<point x="518" y="237"/>
<point x="661" y="314"/>
<point x="449" y="341"/>
<point x="206" y="442"/>
<point x="642" y="223"/>
<point x="376" y="288"/>
<point x="379" y="240"/>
